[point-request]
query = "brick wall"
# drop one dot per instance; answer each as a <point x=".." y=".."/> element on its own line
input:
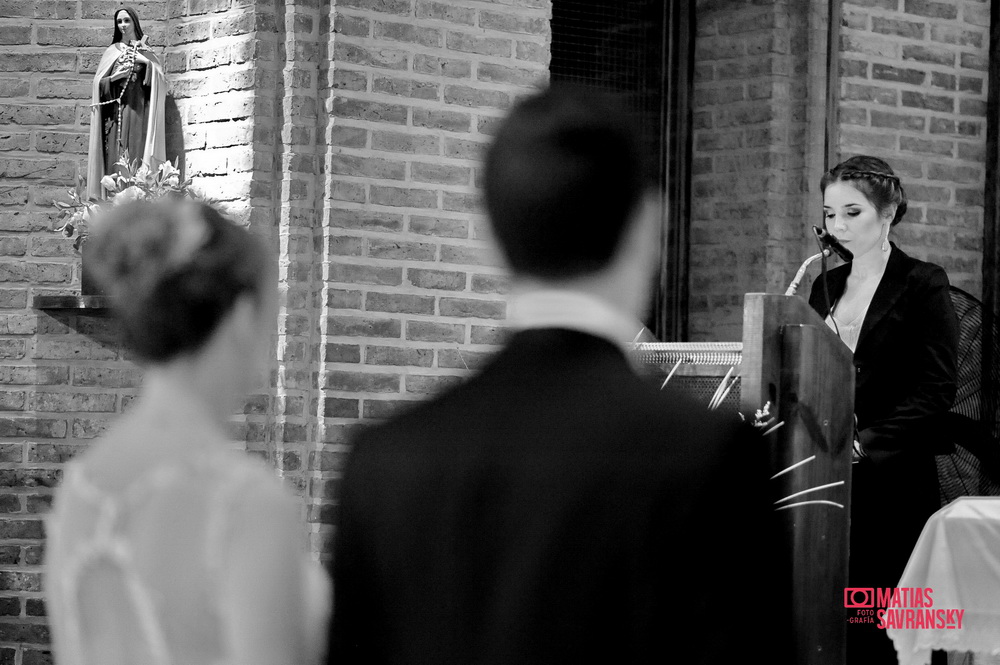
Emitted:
<point x="758" y="121"/>
<point x="913" y="91"/>
<point x="295" y="145"/>
<point x="348" y="136"/>
<point x="64" y="380"/>
<point x="411" y="295"/>
<point x="50" y="54"/>
<point x="62" y="376"/>
<point x="221" y="122"/>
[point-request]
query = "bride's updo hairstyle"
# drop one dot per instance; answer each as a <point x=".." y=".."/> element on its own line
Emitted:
<point x="174" y="269"/>
<point x="872" y="177"/>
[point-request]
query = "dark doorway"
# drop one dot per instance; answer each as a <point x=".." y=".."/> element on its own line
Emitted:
<point x="641" y="49"/>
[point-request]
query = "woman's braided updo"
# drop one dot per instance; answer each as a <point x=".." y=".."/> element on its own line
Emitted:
<point x="874" y="178"/>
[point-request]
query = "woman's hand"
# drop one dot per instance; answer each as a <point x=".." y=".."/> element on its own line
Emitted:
<point x="858" y="453"/>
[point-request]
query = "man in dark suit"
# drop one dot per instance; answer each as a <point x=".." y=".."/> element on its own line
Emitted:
<point x="555" y="508"/>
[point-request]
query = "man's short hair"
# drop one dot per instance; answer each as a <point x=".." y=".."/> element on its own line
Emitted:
<point x="562" y="179"/>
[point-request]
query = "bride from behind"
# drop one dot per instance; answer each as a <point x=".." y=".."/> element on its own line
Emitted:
<point x="165" y="545"/>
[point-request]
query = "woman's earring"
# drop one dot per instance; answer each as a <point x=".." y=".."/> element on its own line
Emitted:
<point x="885" y="241"/>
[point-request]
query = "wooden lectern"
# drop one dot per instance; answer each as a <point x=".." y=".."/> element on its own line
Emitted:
<point x="791" y="359"/>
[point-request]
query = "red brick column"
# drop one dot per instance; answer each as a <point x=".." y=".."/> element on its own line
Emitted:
<point x="411" y="295"/>
<point x="220" y="70"/>
<point x="759" y="101"/>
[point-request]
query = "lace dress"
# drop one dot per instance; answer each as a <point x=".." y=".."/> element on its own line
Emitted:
<point x="849" y="331"/>
<point x="137" y="575"/>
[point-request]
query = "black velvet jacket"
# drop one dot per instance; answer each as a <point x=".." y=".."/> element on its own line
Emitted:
<point x="906" y="357"/>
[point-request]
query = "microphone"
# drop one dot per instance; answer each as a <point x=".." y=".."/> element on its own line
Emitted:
<point x="829" y="240"/>
<point x="794" y="286"/>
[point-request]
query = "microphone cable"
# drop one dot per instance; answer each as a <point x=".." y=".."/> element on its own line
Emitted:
<point x="826" y="287"/>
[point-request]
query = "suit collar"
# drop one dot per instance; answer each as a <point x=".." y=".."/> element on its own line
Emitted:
<point x="573" y="310"/>
<point x="557" y="341"/>
<point x="549" y="352"/>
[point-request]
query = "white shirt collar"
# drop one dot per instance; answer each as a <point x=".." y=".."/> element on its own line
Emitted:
<point x="573" y="310"/>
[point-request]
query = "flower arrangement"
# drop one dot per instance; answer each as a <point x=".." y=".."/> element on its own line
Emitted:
<point x="763" y="420"/>
<point x="133" y="181"/>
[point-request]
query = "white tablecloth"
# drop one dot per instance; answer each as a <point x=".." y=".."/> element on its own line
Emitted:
<point x="958" y="557"/>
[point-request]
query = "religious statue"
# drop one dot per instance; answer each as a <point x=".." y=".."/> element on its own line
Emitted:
<point x="127" y="104"/>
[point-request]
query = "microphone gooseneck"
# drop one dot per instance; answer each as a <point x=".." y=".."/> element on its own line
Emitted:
<point x="829" y="240"/>
<point x="794" y="286"/>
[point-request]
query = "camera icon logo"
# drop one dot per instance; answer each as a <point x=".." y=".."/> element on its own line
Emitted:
<point x="859" y="597"/>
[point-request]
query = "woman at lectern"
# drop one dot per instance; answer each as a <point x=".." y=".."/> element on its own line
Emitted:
<point x="896" y="315"/>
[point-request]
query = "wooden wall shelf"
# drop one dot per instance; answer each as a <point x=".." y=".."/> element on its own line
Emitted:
<point x="87" y="304"/>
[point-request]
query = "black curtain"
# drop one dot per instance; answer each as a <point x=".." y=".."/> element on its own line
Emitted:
<point x="991" y="225"/>
<point x="641" y="49"/>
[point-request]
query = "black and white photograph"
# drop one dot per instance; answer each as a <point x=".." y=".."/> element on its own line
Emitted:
<point x="499" y="332"/>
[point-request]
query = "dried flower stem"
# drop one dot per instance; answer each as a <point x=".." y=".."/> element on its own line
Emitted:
<point x="794" y="466"/>
<point x="811" y="489"/>
<point x="811" y="503"/>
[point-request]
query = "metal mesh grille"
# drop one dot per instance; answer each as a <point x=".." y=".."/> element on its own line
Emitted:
<point x="609" y="43"/>
<point x="641" y="49"/>
<point x="615" y="45"/>
<point x="701" y="389"/>
<point x="695" y="368"/>
<point x="707" y="353"/>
